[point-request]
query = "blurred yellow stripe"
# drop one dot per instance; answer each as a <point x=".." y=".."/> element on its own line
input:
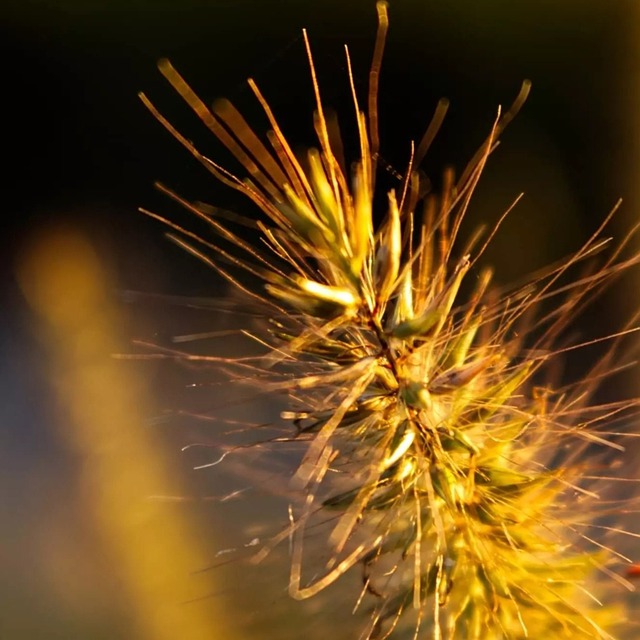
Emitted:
<point x="155" y="551"/>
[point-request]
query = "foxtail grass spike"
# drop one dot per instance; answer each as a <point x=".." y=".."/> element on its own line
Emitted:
<point x="454" y="474"/>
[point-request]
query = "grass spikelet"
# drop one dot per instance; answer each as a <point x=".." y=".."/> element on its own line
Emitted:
<point x="439" y="456"/>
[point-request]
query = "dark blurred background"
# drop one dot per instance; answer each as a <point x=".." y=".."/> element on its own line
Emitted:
<point x="81" y="153"/>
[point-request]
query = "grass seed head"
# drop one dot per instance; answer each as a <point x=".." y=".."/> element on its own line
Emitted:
<point x="438" y="457"/>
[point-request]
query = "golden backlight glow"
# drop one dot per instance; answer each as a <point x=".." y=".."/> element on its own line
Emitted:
<point x="155" y="553"/>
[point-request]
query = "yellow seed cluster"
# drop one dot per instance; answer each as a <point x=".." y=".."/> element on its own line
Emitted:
<point x="431" y="437"/>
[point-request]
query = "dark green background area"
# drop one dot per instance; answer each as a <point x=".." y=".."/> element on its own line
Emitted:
<point x="78" y="135"/>
<point x="78" y="147"/>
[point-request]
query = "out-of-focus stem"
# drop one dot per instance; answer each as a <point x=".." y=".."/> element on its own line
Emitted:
<point x="154" y="551"/>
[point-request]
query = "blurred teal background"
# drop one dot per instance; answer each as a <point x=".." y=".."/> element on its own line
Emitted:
<point x="80" y="151"/>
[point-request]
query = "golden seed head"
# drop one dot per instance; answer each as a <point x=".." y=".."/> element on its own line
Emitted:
<point x="420" y="391"/>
